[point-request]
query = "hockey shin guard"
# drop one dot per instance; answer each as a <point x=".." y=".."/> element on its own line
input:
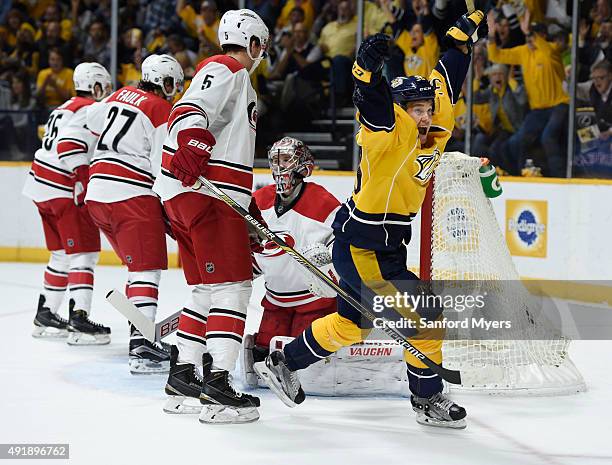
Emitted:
<point x="191" y="333"/>
<point x="143" y="290"/>
<point x="81" y="279"/>
<point x="226" y="322"/>
<point x="56" y="279"/>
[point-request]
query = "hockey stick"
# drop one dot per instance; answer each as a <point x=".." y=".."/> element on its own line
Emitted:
<point x="150" y="330"/>
<point x="453" y="377"/>
<point x="470" y="6"/>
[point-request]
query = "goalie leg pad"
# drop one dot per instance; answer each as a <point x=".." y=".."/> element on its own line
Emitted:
<point x="191" y="333"/>
<point x="275" y="322"/>
<point x="226" y="321"/>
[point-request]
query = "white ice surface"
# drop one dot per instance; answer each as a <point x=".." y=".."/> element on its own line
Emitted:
<point x="85" y="396"/>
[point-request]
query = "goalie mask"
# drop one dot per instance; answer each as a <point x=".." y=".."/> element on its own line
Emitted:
<point x="290" y="161"/>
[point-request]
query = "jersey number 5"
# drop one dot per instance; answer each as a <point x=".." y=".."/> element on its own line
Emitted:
<point x="112" y="116"/>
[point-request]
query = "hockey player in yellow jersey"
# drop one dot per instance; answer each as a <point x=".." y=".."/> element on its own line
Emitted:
<point x="405" y="126"/>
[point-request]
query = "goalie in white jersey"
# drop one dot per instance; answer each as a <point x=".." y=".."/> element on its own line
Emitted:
<point x="132" y="126"/>
<point x="302" y="214"/>
<point x="211" y="132"/>
<point x="57" y="183"/>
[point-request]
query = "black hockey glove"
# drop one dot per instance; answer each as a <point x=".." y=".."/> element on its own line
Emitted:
<point x="371" y="57"/>
<point x="466" y="29"/>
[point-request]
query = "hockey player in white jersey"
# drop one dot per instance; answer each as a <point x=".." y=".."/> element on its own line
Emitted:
<point x="302" y="214"/>
<point x="57" y="183"/>
<point x="132" y="127"/>
<point x="211" y="132"/>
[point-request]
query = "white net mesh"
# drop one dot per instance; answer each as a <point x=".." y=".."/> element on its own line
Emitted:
<point x="467" y="244"/>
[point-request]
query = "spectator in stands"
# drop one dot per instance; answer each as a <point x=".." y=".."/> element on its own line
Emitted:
<point x="160" y="17"/>
<point x="420" y="43"/>
<point x="268" y="10"/>
<point x="337" y="42"/>
<point x="543" y="75"/>
<point x="53" y="13"/>
<point x="54" y="84"/>
<point x="376" y="15"/>
<point x="328" y="14"/>
<point x="306" y="6"/>
<point x="97" y="45"/>
<point x="52" y="39"/>
<point x="18" y="130"/>
<point x="129" y="74"/>
<point x="507" y="27"/>
<point x="175" y="44"/>
<point x="15" y="20"/>
<point x="24" y="56"/>
<point x="296" y="49"/>
<point x="507" y="105"/>
<point x="597" y="93"/>
<point x="204" y="25"/>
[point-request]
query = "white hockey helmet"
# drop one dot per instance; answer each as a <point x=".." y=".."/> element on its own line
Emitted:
<point x="238" y="27"/>
<point x="87" y="75"/>
<point x="297" y="163"/>
<point x="163" y="70"/>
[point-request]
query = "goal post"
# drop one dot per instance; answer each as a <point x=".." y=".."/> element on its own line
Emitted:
<point x="461" y="241"/>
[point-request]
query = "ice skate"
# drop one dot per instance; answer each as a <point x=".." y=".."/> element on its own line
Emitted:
<point x="251" y="354"/>
<point x="221" y="404"/>
<point x="183" y="386"/>
<point x="283" y="382"/>
<point x="48" y="325"/>
<point x="147" y="357"/>
<point x="82" y="331"/>
<point x="438" y="410"/>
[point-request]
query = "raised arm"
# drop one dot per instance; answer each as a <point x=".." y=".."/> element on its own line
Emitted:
<point x="372" y="95"/>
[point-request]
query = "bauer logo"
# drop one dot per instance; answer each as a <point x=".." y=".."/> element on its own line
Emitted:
<point x="527" y="227"/>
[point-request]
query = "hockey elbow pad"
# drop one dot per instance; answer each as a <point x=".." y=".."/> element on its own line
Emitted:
<point x="371" y="57"/>
<point x="191" y="158"/>
<point x="464" y="32"/>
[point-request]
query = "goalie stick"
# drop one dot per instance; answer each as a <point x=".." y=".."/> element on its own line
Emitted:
<point x="452" y="376"/>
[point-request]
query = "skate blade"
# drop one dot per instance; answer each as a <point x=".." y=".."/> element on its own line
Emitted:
<point x="177" y="405"/>
<point x="427" y="421"/>
<point x="272" y="382"/>
<point x="140" y="366"/>
<point x="224" y="415"/>
<point x="83" y="339"/>
<point x="47" y="332"/>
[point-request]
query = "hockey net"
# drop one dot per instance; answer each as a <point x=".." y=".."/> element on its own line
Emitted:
<point x="465" y="243"/>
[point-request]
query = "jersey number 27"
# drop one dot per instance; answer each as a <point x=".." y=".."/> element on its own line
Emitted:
<point x="129" y="116"/>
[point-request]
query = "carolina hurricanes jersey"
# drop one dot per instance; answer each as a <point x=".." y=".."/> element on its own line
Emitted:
<point x="220" y="99"/>
<point x="304" y="222"/>
<point x="67" y="144"/>
<point x="132" y="127"/>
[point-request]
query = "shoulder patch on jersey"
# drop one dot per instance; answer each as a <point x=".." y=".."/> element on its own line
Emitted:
<point x="265" y="196"/>
<point x="157" y="109"/>
<point x="316" y="202"/>
<point x="231" y="63"/>
<point x="76" y="103"/>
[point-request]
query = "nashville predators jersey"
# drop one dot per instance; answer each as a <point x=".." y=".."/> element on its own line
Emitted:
<point x="395" y="169"/>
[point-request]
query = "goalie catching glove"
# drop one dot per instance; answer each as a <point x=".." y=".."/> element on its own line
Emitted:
<point x="320" y="256"/>
<point x="191" y="158"/>
<point x="465" y="31"/>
